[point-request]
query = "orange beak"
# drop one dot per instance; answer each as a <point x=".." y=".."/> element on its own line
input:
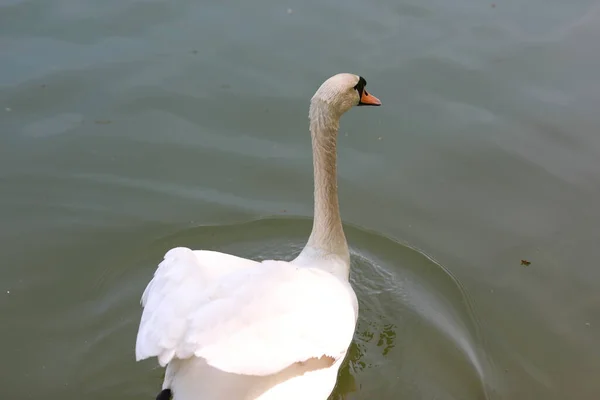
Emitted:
<point x="368" y="100"/>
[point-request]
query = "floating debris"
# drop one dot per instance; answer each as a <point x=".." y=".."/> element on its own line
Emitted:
<point x="525" y="263"/>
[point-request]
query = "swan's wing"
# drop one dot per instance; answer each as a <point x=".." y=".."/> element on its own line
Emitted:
<point x="178" y="287"/>
<point x="254" y="321"/>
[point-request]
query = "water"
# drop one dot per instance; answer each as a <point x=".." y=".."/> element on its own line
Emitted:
<point x="130" y="127"/>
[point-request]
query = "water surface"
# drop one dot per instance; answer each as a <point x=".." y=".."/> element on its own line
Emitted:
<point x="130" y="127"/>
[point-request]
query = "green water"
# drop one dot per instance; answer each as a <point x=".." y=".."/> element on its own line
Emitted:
<point x="130" y="127"/>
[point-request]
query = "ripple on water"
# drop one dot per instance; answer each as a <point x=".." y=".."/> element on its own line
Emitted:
<point x="416" y="330"/>
<point x="416" y="336"/>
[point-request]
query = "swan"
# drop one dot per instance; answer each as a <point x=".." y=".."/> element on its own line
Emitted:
<point x="230" y="328"/>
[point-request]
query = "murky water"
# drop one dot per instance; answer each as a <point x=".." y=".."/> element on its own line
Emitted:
<point x="130" y="127"/>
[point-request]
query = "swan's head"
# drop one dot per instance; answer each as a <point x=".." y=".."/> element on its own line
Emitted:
<point x="341" y="92"/>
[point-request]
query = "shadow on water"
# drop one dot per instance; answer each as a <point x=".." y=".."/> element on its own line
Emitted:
<point x="416" y="330"/>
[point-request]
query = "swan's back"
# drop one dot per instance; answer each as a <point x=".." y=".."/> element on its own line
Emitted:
<point x="224" y="324"/>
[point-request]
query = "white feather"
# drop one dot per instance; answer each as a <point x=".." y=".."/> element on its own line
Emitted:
<point x="242" y="316"/>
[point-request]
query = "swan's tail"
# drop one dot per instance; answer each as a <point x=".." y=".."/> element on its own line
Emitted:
<point x="164" y="395"/>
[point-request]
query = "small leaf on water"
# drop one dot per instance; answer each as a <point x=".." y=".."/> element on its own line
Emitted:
<point x="525" y="263"/>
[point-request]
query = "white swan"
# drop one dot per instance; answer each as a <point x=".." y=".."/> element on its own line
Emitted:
<point x="229" y="328"/>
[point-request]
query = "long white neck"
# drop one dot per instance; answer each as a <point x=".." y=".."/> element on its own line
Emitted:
<point x="327" y="240"/>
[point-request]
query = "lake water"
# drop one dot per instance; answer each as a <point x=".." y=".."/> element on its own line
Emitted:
<point x="128" y="127"/>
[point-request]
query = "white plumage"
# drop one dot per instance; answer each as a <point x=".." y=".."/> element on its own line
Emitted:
<point x="252" y="319"/>
<point x="231" y="328"/>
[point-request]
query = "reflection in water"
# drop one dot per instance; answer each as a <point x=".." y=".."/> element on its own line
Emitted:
<point x="355" y="363"/>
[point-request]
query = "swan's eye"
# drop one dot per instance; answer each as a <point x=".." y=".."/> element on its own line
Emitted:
<point x="360" y="86"/>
